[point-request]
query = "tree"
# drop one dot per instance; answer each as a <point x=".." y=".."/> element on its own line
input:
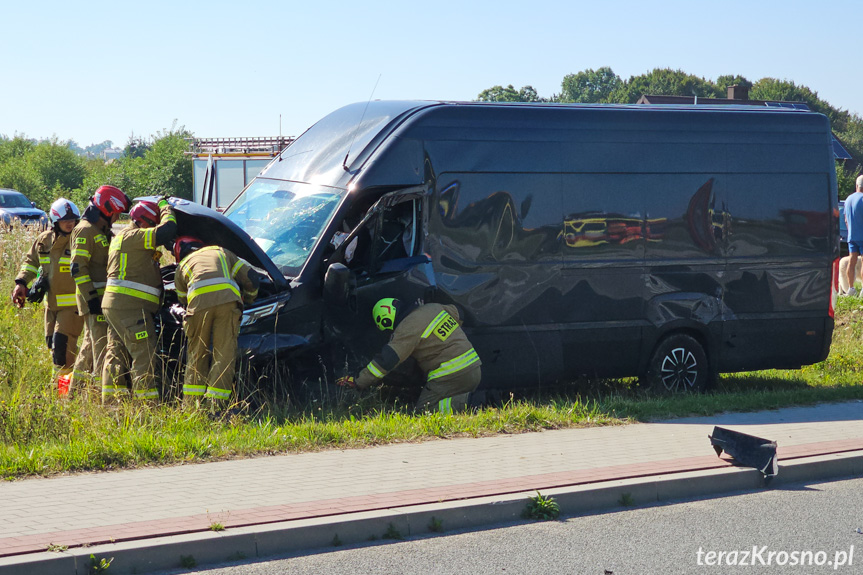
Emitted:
<point x="666" y="82"/>
<point x="136" y="147"/>
<point x="723" y="82"/>
<point x="590" y="86"/>
<point x="509" y="94"/>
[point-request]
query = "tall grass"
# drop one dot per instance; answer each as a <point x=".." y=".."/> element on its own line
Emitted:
<point x="42" y="434"/>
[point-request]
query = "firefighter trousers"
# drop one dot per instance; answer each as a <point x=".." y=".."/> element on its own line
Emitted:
<point x="450" y="394"/>
<point x="91" y="356"/>
<point x="211" y="339"/>
<point x="131" y="351"/>
<point x="62" y="328"/>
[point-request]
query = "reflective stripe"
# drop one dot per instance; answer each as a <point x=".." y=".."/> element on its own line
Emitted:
<point x="134" y="289"/>
<point x="194" y="389"/>
<point x="211" y="285"/>
<point x="454" y="365"/>
<point x="65" y="260"/>
<point x="134" y="285"/>
<point x="445" y="406"/>
<point x="217" y="393"/>
<point x="149" y="239"/>
<point x="66" y="299"/>
<point x="44" y="259"/>
<point x="28" y="268"/>
<point x="113" y="389"/>
<point x="121" y="273"/>
<point x="438" y="318"/>
<point x="80" y="253"/>
<point x="375" y="371"/>
<point x="236" y="267"/>
<point x="146" y="393"/>
<point x="99" y="284"/>
<point x="82" y="279"/>
<point x="181" y="293"/>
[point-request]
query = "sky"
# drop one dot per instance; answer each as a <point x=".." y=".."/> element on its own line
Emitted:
<point x="94" y="70"/>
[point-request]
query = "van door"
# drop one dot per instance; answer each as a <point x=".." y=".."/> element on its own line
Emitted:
<point x="603" y="244"/>
<point x="384" y="255"/>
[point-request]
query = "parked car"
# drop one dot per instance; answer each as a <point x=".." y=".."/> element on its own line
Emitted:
<point x="671" y="243"/>
<point x="16" y="208"/>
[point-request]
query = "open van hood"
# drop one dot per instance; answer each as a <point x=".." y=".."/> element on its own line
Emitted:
<point x="214" y="228"/>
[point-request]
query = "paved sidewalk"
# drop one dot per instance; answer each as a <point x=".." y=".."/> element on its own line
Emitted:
<point x="98" y="508"/>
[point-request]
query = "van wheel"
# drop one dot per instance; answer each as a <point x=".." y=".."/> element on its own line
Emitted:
<point x="678" y="365"/>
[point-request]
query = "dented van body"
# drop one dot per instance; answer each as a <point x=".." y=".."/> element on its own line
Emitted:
<point x="672" y="242"/>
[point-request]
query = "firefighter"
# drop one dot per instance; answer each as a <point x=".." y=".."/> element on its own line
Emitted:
<point x="132" y="295"/>
<point x="49" y="258"/>
<point x="433" y="336"/>
<point x="90" y="240"/>
<point x="213" y="284"/>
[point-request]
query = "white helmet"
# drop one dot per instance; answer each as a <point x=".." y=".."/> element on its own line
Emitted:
<point x="63" y="209"/>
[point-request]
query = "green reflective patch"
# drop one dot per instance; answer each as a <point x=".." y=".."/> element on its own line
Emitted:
<point x="141" y="335"/>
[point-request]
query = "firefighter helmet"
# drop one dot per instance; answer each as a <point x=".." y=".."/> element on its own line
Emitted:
<point x="185" y="245"/>
<point x="384" y="313"/>
<point x="145" y="214"/>
<point x="63" y="209"/>
<point x="111" y="201"/>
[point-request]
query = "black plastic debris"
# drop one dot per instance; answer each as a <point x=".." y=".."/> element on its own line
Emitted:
<point x="747" y="450"/>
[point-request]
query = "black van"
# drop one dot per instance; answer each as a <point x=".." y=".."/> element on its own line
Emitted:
<point x="669" y="242"/>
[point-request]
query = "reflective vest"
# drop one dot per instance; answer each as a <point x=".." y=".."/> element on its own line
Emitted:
<point x="50" y="256"/>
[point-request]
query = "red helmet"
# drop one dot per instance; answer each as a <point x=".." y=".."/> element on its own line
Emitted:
<point x="145" y="214"/>
<point x="111" y="201"/>
<point x="185" y="245"/>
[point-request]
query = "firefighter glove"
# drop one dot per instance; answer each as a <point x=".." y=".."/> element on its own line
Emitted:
<point x="37" y="291"/>
<point x="346" y="381"/>
<point x="94" y="306"/>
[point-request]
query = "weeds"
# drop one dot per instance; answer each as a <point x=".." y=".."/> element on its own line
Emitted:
<point x="435" y="525"/>
<point x="392" y="533"/>
<point x="99" y="565"/>
<point x="541" y="508"/>
<point x="188" y="561"/>
<point x="626" y="500"/>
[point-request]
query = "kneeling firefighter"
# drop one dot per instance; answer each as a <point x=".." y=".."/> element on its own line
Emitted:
<point x="133" y="294"/>
<point x="213" y="284"/>
<point x="433" y="336"/>
<point x="50" y="258"/>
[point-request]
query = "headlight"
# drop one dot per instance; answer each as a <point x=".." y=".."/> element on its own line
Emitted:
<point x="251" y="316"/>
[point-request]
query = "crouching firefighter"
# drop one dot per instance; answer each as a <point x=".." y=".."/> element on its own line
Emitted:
<point x="90" y="240"/>
<point x="133" y="294"/>
<point x="50" y="258"/>
<point x="213" y="284"/>
<point x="433" y="336"/>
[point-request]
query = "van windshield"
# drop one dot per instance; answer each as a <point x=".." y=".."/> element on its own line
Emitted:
<point x="284" y="218"/>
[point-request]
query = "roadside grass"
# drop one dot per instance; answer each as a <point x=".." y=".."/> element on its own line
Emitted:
<point x="43" y="435"/>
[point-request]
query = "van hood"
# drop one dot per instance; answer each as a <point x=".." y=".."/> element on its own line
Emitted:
<point x="213" y="228"/>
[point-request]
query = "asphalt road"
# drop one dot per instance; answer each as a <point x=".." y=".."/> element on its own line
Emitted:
<point x="809" y="529"/>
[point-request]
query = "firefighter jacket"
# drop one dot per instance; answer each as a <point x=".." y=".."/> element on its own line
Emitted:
<point x="134" y="280"/>
<point x="212" y="276"/>
<point x="432" y="334"/>
<point x="50" y="253"/>
<point x="89" y="243"/>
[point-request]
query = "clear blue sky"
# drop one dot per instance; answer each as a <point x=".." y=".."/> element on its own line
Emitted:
<point x="94" y="71"/>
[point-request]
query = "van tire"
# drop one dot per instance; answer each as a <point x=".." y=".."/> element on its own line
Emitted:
<point x="678" y="365"/>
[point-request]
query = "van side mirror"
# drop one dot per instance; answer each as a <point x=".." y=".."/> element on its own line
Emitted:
<point x="337" y="284"/>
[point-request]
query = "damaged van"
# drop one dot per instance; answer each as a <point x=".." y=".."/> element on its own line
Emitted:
<point x="667" y="242"/>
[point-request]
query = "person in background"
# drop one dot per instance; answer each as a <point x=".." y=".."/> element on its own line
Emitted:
<point x="133" y="294"/>
<point x="431" y="334"/>
<point x="49" y="258"/>
<point x="213" y="284"/>
<point x="854" y="222"/>
<point x="90" y="240"/>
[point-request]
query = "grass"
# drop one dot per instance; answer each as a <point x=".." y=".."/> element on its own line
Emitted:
<point x="43" y="435"/>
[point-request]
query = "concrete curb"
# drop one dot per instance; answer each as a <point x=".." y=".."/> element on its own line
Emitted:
<point x="259" y="542"/>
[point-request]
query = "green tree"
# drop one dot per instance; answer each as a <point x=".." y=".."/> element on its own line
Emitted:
<point x="666" y="82"/>
<point x="845" y="178"/>
<point x="722" y="83"/>
<point x="786" y="91"/>
<point x="42" y="171"/>
<point x="590" y="86"/>
<point x="509" y="94"/>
